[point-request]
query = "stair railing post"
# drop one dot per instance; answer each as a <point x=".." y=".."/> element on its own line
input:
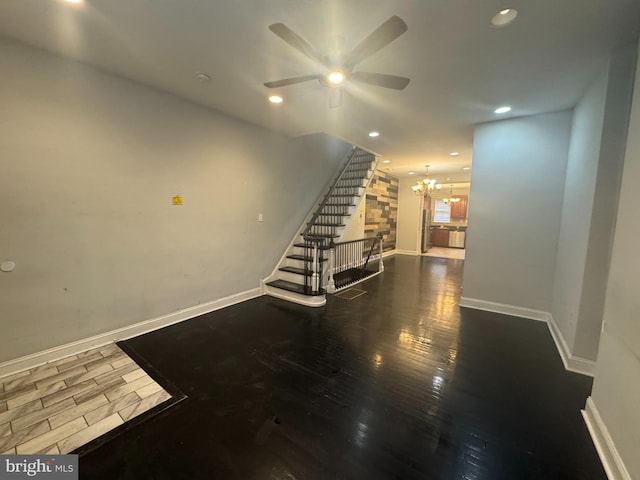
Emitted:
<point x="314" y="268"/>
<point x="331" y="285"/>
<point x="381" y="264"/>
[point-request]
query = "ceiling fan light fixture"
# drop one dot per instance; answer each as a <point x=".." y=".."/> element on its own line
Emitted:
<point x="336" y="77"/>
<point x="277" y="99"/>
<point x="504" y="17"/>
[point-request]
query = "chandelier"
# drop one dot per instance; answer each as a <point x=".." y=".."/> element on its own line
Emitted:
<point x="451" y="198"/>
<point x="428" y="185"/>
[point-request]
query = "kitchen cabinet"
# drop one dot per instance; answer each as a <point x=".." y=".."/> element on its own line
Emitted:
<point x="440" y="237"/>
<point x="459" y="209"/>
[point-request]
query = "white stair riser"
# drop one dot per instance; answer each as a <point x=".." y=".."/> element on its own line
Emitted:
<point x="349" y="211"/>
<point x="291" y="277"/>
<point x="290" y="262"/>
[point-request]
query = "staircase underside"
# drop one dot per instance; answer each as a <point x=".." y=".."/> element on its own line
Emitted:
<point x="354" y="275"/>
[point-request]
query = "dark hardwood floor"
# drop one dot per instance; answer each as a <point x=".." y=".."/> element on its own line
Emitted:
<point x="399" y="383"/>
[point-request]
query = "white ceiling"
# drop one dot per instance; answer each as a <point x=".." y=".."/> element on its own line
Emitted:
<point x="461" y="68"/>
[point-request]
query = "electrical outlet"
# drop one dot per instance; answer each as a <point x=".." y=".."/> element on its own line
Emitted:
<point x="260" y="217"/>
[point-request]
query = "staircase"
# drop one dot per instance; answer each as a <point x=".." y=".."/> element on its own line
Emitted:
<point x="301" y="274"/>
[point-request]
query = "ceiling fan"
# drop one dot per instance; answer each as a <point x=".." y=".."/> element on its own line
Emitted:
<point x="335" y="72"/>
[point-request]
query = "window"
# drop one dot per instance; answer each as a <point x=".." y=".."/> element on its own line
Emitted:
<point x="442" y="212"/>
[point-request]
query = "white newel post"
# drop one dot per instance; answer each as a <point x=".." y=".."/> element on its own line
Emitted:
<point x="331" y="285"/>
<point x="314" y="268"/>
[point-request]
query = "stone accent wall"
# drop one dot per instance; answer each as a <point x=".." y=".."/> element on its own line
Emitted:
<point x="381" y="209"/>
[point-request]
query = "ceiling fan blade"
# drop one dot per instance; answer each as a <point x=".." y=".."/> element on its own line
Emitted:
<point x="380" y="37"/>
<point x="381" y="80"/>
<point x="296" y="41"/>
<point x="290" y="81"/>
<point x="335" y="97"/>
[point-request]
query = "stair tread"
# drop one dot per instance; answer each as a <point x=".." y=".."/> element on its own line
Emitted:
<point x="325" y="224"/>
<point x="304" y="245"/>
<point x="344" y="195"/>
<point x="321" y="235"/>
<point x="340" y="204"/>
<point x="296" y="270"/>
<point x="294" y="287"/>
<point x="296" y="256"/>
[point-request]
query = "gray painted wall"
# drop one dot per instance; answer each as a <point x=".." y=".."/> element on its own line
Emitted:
<point x="594" y="171"/>
<point x="90" y="163"/>
<point x="616" y="389"/>
<point x="517" y="185"/>
<point x="579" y="190"/>
<point x="605" y="204"/>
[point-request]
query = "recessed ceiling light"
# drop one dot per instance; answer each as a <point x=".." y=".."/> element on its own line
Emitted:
<point x="411" y="173"/>
<point x="276" y="99"/>
<point x="386" y="161"/>
<point x="336" y="77"/>
<point x="73" y="1"/>
<point x="503" y="109"/>
<point x="454" y="154"/>
<point x="466" y="168"/>
<point x="504" y="17"/>
<point x="374" y="134"/>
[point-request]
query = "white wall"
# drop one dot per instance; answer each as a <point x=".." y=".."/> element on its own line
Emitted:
<point x="594" y="170"/>
<point x="616" y="389"/>
<point x="516" y="186"/>
<point x="582" y="169"/>
<point x="90" y="163"/>
<point x="409" y="205"/>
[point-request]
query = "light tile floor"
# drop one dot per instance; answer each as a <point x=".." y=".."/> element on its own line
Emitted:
<point x="62" y="405"/>
<point x="444" y="252"/>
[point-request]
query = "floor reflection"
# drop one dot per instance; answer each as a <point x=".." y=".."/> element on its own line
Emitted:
<point x="399" y="383"/>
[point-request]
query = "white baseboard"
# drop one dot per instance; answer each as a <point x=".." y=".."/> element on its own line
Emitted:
<point x="389" y="253"/>
<point x="607" y="451"/>
<point x="55" y="353"/>
<point x="407" y="252"/>
<point x="571" y="362"/>
<point x="504" y="308"/>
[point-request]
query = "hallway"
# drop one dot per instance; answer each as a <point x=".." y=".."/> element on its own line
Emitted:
<point x="399" y="383"/>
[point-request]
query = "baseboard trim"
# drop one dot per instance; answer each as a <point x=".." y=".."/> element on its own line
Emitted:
<point x="408" y="252"/>
<point x="33" y="360"/>
<point x="571" y="362"/>
<point x="607" y="451"/>
<point x="504" y="308"/>
<point x="389" y="253"/>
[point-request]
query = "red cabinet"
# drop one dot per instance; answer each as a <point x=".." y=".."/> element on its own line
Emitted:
<point x="459" y="209"/>
<point x="440" y="237"/>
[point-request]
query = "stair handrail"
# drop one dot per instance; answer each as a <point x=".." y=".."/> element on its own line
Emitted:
<point x="364" y="267"/>
<point x="316" y="214"/>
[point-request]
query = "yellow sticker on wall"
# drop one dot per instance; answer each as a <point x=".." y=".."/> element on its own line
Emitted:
<point x="177" y="200"/>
